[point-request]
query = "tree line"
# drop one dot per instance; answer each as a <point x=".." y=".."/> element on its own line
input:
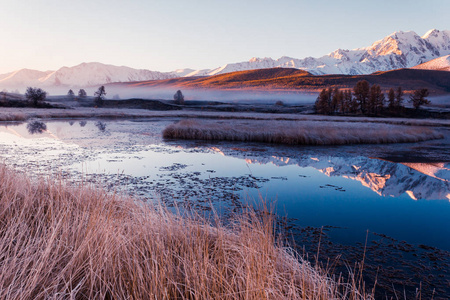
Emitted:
<point x="37" y="95"/>
<point x="366" y="99"/>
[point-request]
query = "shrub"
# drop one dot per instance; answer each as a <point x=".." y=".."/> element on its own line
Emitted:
<point x="35" y="95"/>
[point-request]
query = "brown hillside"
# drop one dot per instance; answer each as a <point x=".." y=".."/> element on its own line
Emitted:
<point x="294" y="79"/>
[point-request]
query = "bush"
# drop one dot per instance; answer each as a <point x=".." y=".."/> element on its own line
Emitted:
<point x="35" y="95"/>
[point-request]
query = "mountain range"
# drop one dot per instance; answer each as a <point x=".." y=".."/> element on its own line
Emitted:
<point x="397" y="50"/>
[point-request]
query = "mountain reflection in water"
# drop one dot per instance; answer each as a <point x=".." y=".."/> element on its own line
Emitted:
<point x="427" y="181"/>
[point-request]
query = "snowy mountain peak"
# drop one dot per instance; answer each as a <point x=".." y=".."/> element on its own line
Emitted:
<point x="258" y="59"/>
<point x="401" y="49"/>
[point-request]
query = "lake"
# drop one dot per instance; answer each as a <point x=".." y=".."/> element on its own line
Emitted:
<point x="385" y="193"/>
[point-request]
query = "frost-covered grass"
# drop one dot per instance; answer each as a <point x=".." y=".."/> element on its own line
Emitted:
<point x="22" y="114"/>
<point x="298" y="132"/>
<point x="60" y="242"/>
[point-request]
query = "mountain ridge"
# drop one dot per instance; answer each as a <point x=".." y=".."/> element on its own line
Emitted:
<point x="441" y="64"/>
<point x="395" y="51"/>
<point x="438" y="82"/>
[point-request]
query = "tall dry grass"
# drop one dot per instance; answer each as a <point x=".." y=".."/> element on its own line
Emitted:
<point x="59" y="242"/>
<point x="18" y="116"/>
<point x="298" y="132"/>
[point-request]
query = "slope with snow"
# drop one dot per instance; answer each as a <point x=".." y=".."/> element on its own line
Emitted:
<point x="440" y="64"/>
<point x="398" y="50"/>
<point x="83" y="75"/>
<point x="23" y="77"/>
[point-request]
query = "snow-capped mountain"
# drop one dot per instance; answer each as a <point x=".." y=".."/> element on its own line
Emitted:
<point x="23" y="77"/>
<point x="85" y="74"/>
<point x="397" y="50"/>
<point x="88" y="74"/>
<point x="440" y="64"/>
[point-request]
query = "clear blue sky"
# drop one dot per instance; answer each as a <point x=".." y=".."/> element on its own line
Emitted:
<point x="168" y="34"/>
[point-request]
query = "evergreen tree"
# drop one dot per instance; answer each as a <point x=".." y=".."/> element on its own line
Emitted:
<point x="336" y="100"/>
<point x="70" y="94"/>
<point x="380" y="100"/>
<point x="82" y="93"/>
<point x="376" y="100"/>
<point x="99" y="96"/>
<point x="418" y="98"/>
<point x="399" y="99"/>
<point x="391" y="100"/>
<point x="178" y="97"/>
<point x="361" y="92"/>
<point x="323" y="102"/>
<point x="350" y="104"/>
<point x="371" y="103"/>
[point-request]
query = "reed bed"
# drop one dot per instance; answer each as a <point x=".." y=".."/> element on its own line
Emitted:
<point x="298" y="132"/>
<point x="62" y="242"/>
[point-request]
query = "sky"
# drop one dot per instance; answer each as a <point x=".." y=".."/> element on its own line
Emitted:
<point x="166" y="35"/>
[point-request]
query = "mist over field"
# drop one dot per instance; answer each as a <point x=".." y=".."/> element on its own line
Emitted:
<point x="214" y="95"/>
<point x="244" y="96"/>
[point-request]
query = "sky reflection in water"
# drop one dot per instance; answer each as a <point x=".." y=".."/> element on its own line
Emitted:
<point x="317" y="186"/>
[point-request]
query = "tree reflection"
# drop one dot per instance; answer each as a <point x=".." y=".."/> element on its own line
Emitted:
<point x="36" y="127"/>
<point x="101" y="126"/>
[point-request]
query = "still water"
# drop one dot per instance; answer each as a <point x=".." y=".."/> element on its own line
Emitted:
<point x="402" y="190"/>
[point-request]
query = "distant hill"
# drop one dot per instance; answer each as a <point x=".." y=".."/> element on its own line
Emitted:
<point x="437" y="82"/>
<point x="441" y="64"/>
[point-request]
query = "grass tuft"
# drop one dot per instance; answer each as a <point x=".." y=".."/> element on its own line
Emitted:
<point x="63" y="242"/>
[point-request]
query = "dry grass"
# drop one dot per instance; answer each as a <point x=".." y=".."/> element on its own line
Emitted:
<point x="58" y="242"/>
<point x="22" y="114"/>
<point x="18" y="116"/>
<point x="298" y="133"/>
